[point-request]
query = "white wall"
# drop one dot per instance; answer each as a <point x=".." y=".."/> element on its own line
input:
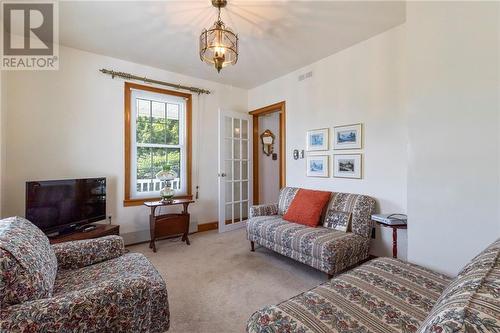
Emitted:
<point x="453" y="110"/>
<point x="362" y="84"/>
<point x="269" y="169"/>
<point x="69" y="124"/>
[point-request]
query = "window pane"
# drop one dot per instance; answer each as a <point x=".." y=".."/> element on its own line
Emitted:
<point x="172" y="131"/>
<point x="244" y="190"/>
<point x="236" y="191"/>
<point x="173" y="111"/>
<point x="244" y="210"/>
<point x="158" y="133"/>
<point x="144" y="170"/>
<point x="236" y="124"/>
<point x="236" y="154"/>
<point x="229" y="191"/>
<point x="244" y="170"/>
<point x="244" y="149"/>
<point x="229" y="214"/>
<point x="237" y="212"/>
<point x="244" y="129"/>
<point x="174" y="161"/>
<point x="143" y="131"/>
<point x="143" y="109"/>
<point x="158" y="111"/>
<point x="228" y="149"/>
<point x="159" y="158"/>
<point x="237" y="170"/>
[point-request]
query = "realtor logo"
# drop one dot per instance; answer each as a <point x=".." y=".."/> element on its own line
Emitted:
<point x="30" y="36"/>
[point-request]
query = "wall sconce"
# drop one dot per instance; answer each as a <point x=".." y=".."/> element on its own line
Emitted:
<point x="267" y="138"/>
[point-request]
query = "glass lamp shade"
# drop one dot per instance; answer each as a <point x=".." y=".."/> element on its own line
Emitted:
<point x="219" y="46"/>
<point x="166" y="175"/>
<point x="167" y="192"/>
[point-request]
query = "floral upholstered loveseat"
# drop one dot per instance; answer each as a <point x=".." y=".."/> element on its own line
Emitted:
<point x="326" y="249"/>
<point x="389" y="296"/>
<point x="80" y="286"/>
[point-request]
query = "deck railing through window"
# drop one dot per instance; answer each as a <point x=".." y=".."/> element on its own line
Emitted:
<point x="155" y="185"/>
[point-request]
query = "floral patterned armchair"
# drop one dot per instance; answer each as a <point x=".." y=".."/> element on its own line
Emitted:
<point x="80" y="286"/>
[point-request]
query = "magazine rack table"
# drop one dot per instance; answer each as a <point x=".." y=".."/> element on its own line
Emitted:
<point x="167" y="225"/>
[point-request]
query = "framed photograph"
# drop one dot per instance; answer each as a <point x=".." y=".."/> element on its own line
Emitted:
<point x="317" y="166"/>
<point x="347" y="137"/>
<point x="317" y="139"/>
<point x="347" y="166"/>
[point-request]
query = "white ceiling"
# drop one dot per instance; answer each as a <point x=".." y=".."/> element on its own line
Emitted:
<point x="276" y="37"/>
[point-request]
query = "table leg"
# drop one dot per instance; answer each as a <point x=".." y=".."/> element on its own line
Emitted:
<point x="186" y="231"/>
<point x="394" y="242"/>
<point x="152" y="221"/>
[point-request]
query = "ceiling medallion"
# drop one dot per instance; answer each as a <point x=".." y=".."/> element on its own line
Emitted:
<point x="219" y="44"/>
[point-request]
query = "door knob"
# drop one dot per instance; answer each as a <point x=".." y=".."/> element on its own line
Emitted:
<point x="222" y="174"/>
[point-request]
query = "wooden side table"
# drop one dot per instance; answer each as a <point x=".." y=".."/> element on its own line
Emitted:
<point x="161" y="226"/>
<point x="395" y="228"/>
<point x="101" y="230"/>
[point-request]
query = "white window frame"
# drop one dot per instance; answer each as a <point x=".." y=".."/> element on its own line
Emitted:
<point x="163" y="98"/>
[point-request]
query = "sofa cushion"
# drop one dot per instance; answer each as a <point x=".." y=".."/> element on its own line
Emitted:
<point x="307" y="207"/>
<point x="285" y="199"/>
<point x="361" y="207"/>
<point x="340" y="221"/>
<point x="471" y="302"/>
<point x="383" y="296"/>
<point x="28" y="265"/>
<point x="323" y="248"/>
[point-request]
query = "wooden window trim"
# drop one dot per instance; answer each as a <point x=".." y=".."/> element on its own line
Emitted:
<point x="279" y="107"/>
<point x="128" y="142"/>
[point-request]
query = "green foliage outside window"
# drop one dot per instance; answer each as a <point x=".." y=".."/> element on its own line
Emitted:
<point x="157" y="131"/>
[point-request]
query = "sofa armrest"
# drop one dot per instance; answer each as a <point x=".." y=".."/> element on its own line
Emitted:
<point x="110" y="305"/>
<point x="87" y="252"/>
<point x="264" y="210"/>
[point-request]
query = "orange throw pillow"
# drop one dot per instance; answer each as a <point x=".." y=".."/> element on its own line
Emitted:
<point x="307" y="206"/>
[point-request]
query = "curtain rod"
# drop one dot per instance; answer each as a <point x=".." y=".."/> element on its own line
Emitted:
<point x="145" y="79"/>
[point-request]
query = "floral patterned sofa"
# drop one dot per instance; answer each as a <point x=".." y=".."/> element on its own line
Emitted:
<point x="326" y="249"/>
<point x="388" y="295"/>
<point x="80" y="286"/>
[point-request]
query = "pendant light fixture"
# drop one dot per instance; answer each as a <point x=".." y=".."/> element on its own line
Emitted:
<point x="219" y="44"/>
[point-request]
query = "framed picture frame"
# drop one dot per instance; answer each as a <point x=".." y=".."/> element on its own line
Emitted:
<point x="317" y="140"/>
<point x="348" y="137"/>
<point x="348" y="166"/>
<point x="317" y="166"/>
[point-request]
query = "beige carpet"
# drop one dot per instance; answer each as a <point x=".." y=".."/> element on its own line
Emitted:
<point x="216" y="283"/>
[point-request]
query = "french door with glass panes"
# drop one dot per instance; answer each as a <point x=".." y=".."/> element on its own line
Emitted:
<point x="235" y="169"/>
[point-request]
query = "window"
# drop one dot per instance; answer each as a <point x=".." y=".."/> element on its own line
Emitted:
<point x="157" y="135"/>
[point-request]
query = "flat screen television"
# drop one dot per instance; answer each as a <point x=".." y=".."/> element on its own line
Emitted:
<point x="65" y="205"/>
